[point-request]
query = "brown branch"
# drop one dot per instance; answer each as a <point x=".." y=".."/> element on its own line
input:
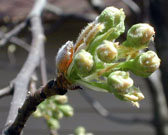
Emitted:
<point x="22" y="80"/>
<point x="30" y="105"/>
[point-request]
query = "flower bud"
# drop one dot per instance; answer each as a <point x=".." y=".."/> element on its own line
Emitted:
<point x="145" y="64"/>
<point x="120" y="81"/>
<point x="134" y="94"/>
<point x="67" y="110"/>
<point x="113" y="17"/>
<point x="107" y="52"/>
<point x="37" y="113"/>
<point x="53" y="124"/>
<point x="80" y="131"/>
<point x="61" y="99"/>
<point x="139" y="35"/>
<point x="84" y="62"/>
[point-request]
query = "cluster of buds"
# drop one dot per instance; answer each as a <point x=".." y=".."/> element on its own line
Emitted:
<point x="53" y="109"/>
<point x="100" y="63"/>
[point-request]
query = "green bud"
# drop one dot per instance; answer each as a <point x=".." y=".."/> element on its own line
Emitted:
<point x="145" y="64"/>
<point x="57" y="114"/>
<point x="107" y="51"/>
<point x="119" y="81"/>
<point x="134" y="95"/>
<point x="61" y="99"/>
<point x="37" y="113"/>
<point x="89" y="134"/>
<point x="83" y="62"/>
<point x="80" y="131"/>
<point x="67" y="110"/>
<point x="139" y="35"/>
<point x="53" y="124"/>
<point x="113" y="18"/>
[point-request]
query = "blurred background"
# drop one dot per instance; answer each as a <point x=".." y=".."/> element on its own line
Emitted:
<point x="62" y="21"/>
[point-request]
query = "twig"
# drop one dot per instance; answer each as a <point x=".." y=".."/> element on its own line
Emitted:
<point x="105" y="113"/>
<point x="22" y="79"/>
<point x="6" y="91"/>
<point x="30" y="105"/>
<point x="20" y="43"/>
<point x="43" y="66"/>
<point x="13" y="32"/>
<point x="58" y="12"/>
<point x="17" y="41"/>
<point x="133" y="7"/>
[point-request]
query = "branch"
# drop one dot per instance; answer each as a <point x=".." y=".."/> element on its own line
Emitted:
<point x="17" y="41"/>
<point x="22" y="79"/>
<point x="43" y="67"/>
<point x="6" y="91"/>
<point x="13" y="32"/>
<point x="58" y="12"/>
<point x="159" y="103"/>
<point x="30" y="105"/>
<point x="133" y="7"/>
<point x="106" y="114"/>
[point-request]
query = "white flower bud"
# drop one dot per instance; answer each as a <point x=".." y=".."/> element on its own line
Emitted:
<point x="120" y="81"/>
<point x="107" y="52"/>
<point x="84" y="62"/>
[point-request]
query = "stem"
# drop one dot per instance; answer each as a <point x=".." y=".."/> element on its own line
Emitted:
<point x="30" y="105"/>
<point x="6" y="91"/>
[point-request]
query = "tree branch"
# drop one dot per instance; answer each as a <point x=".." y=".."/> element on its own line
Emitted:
<point x="30" y="105"/>
<point x="22" y="80"/>
<point x="43" y="67"/>
<point x="16" y="41"/>
<point x="13" y="32"/>
<point x="58" y="12"/>
<point x="159" y="103"/>
<point x="6" y="91"/>
<point x="98" y="107"/>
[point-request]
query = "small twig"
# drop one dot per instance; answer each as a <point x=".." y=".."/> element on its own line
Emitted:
<point x="20" y="43"/>
<point x="17" y="41"/>
<point x="6" y="91"/>
<point x="13" y="32"/>
<point x="58" y="12"/>
<point x="105" y="113"/>
<point x="30" y="105"/>
<point x="133" y="7"/>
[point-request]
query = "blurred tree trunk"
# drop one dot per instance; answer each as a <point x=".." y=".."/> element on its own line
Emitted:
<point x="159" y="17"/>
